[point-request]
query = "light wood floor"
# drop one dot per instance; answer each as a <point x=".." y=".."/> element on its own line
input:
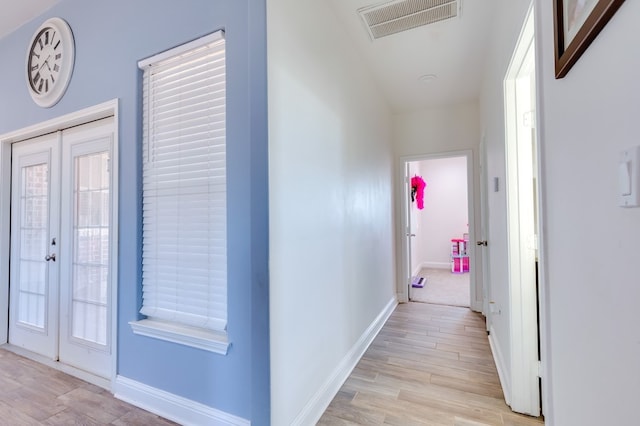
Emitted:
<point x="34" y="394"/>
<point x="430" y="365"/>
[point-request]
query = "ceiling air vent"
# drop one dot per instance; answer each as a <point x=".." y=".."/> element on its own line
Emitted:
<point x="401" y="15"/>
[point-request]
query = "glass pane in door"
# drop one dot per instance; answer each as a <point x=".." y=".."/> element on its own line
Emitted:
<point x="90" y="248"/>
<point x="34" y="218"/>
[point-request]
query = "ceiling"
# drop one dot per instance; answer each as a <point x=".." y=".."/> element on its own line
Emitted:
<point x="16" y="13"/>
<point x="452" y="50"/>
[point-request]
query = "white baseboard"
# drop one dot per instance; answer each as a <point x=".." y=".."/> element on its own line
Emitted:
<point x="317" y="405"/>
<point x="500" y="366"/>
<point x="432" y="265"/>
<point x="437" y="265"/>
<point x="173" y="407"/>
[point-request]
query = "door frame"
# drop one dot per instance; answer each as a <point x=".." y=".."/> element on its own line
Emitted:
<point x="104" y="110"/>
<point x="403" y="281"/>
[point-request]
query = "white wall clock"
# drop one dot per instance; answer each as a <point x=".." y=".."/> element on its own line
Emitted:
<point x="50" y="60"/>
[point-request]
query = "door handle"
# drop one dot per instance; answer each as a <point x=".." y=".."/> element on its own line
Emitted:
<point x="411" y="235"/>
<point x="51" y="257"/>
<point x="482" y="243"/>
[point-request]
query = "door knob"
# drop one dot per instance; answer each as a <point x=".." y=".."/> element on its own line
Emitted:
<point x="481" y="243"/>
<point x="50" y="257"/>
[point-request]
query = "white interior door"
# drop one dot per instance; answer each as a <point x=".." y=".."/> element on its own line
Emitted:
<point x="409" y="231"/>
<point x="482" y="244"/>
<point x="522" y="205"/>
<point x="77" y="310"/>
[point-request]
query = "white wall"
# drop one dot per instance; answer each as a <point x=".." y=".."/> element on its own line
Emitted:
<point x="592" y="245"/>
<point x="445" y="214"/>
<point x="331" y="219"/>
<point x="451" y="128"/>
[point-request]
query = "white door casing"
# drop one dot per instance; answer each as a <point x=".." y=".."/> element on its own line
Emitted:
<point x="407" y="229"/>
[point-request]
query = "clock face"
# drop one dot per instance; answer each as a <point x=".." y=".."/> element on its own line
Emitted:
<point x="50" y="60"/>
<point x="45" y="61"/>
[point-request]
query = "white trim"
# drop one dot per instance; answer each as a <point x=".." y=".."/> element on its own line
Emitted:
<point x="96" y="112"/>
<point x="476" y="306"/>
<point x="543" y="301"/>
<point x="501" y="366"/>
<point x="173" y="407"/>
<point x="313" y="410"/>
<point x="208" y="340"/>
<point x="431" y="265"/>
<point x="115" y="232"/>
<point x="436" y="265"/>
<point x="5" y="240"/>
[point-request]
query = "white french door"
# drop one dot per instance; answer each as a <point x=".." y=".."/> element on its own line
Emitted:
<point x="34" y="234"/>
<point x="61" y="228"/>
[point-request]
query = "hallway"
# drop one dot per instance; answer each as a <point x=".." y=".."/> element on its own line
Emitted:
<point x="430" y="365"/>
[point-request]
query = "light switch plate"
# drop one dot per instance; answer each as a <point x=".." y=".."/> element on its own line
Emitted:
<point x="629" y="177"/>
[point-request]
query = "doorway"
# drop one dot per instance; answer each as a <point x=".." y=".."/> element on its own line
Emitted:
<point x="437" y="223"/>
<point x="62" y="244"/>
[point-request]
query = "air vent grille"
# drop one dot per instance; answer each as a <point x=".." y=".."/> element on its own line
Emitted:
<point x="401" y="15"/>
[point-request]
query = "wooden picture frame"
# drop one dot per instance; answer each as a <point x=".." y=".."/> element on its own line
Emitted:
<point x="576" y="25"/>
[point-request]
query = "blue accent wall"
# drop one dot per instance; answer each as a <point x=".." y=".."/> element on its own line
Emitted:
<point x="111" y="37"/>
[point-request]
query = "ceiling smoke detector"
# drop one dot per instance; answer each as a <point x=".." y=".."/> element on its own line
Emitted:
<point x="401" y="15"/>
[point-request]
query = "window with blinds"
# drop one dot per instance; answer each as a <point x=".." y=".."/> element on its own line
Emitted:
<point x="184" y="240"/>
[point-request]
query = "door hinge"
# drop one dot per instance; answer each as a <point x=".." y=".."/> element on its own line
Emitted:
<point x="540" y="370"/>
<point x="529" y="119"/>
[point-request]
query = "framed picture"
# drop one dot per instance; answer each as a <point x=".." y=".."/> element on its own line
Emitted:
<point x="576" y="25"/>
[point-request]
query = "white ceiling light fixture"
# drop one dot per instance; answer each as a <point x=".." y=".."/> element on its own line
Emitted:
<point x="400" y="15"/>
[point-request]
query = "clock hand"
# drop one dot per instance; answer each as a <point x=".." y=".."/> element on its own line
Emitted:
<point x="46" y="61"/>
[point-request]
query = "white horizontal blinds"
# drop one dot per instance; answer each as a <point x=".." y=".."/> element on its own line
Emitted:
<point x="184" y="259"/>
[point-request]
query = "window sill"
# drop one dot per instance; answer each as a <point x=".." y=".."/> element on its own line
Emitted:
<point x="208" y="340"/>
